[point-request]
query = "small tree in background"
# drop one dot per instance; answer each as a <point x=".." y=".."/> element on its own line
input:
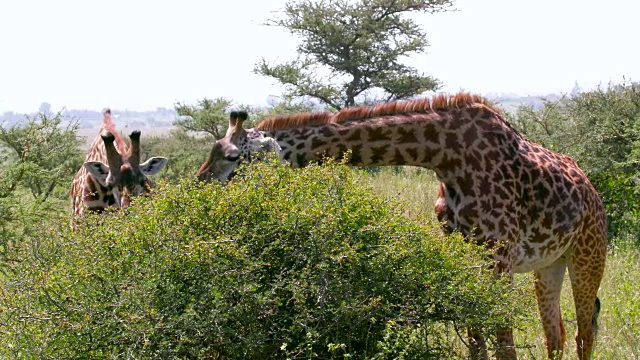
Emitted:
<point x="207" y="116"/>
<point x="212" y="116"/>
<point x="352" y="50"/>
<point x="45" y="153"/>
<point x="39" y="158"/>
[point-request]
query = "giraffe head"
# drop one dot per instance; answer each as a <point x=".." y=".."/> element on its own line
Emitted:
<point x="238" y="144"/>
<point x="123" y="174"/>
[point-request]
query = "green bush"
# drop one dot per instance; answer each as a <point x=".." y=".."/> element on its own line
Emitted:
<point x="38" y="158"/>
<point x="185" y="153"/>
<point x="280" y="263"/>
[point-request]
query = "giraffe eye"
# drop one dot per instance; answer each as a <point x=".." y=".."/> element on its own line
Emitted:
<point x="232" y="158"/>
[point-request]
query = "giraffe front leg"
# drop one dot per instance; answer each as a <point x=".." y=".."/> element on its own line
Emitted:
<point x="548" y="285"/>
<point x="506" y="349"/>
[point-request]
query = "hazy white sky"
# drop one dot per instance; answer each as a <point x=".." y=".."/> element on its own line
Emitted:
<point x="145" y="54"/>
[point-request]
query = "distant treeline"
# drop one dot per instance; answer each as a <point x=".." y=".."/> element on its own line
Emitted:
<point x="88" y="119"/>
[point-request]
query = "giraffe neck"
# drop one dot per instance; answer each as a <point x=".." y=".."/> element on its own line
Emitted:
<point x="447" y="142"/>
<point x="97" y="151"/>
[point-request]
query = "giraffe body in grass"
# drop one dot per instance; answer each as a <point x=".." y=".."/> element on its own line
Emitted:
<point x="112" y="172"/>
<point x="534" y="207"/>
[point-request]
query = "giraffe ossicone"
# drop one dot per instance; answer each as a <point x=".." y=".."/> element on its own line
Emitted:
<point x="535" y="207"/>
<point x="112" y="173"/>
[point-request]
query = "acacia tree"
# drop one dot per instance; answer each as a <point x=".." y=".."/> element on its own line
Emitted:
<point x="212" y="116"/>
<point x="207" y="116"/>
<point x="40" y="155"/>
<point x="352" y="50"/>
<point x="38" y="159"/>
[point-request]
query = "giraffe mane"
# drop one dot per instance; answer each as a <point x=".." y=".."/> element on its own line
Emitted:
<point x="282" y="122"/>
<point x="110" y="126"/>
<point x="107" y="126"/>
<point x="440" y="102"/>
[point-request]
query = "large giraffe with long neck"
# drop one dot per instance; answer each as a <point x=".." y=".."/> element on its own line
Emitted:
<point x="112" y="172"/>
<point x="535" y="207"/>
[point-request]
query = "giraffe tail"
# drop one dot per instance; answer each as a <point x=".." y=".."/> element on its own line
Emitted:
<point x="594" y="319"/>
<point x="596" y="312"/>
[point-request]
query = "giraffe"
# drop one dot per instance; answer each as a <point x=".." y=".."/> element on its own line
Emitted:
<point x="111" y="172"/>
<point x="534" y="207"/>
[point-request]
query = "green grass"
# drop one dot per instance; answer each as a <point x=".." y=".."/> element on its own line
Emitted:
<point x="619" y="331"/>
<point x="415" y="186"/>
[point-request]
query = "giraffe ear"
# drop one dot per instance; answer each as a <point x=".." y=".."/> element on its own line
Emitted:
<point x="153" y="165"/>
<point x="98" y="170"/>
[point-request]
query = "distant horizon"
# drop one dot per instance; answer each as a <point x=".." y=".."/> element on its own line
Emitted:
<point x="489" y="95"/>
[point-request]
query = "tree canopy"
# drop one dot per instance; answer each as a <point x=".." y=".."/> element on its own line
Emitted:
<point x="352" y="50"/>
<point x="212" y="116"/>
<point x="207" y="116"/>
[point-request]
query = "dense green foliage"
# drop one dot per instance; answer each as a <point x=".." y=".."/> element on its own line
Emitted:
<point x="352" y="50"/>
<point x="38" y="158"/>
<point x="207" y="115"/>
<point x="186" y="152"/>
<point x="601" y="130"/>
<point x="281" y="263"/>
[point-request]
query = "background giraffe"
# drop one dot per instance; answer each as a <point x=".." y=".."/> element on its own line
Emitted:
<point x="535" y="207"/>
<point x="111" y="172"/>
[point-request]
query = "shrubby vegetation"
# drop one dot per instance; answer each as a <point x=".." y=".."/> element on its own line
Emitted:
<point x="281" y="263"/>
<point x="38" y="158"/>
<point x="601" y="130"/>
<point x="185" y="152"/>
